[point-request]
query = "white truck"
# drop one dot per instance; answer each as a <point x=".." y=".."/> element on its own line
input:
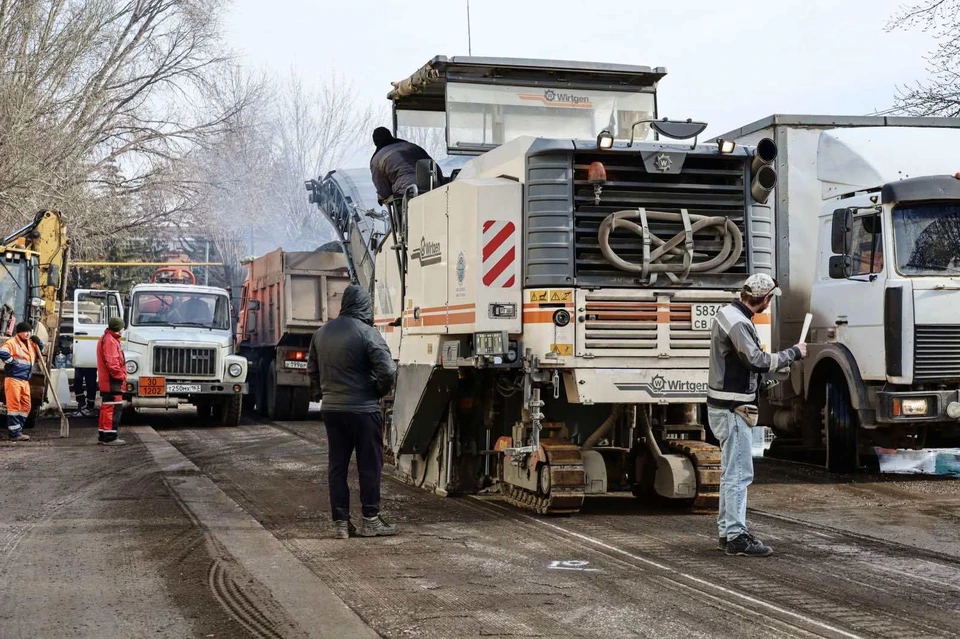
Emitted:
<point x="179" y="349"/>
<point x="867" y="218"/>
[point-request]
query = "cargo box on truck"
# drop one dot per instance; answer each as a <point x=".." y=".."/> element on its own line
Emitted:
<point x="286" y="297"/>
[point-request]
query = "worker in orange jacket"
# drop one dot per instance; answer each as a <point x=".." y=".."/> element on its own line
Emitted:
<point x="18" y="354"/>
<point x="112" y="376"/>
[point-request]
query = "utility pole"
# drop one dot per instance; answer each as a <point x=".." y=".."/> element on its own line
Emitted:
<point x="469" y="36"/>
<point x="206" y="269"/>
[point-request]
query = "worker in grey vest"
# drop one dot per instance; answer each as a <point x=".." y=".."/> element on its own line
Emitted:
<point x="737" y="364"/>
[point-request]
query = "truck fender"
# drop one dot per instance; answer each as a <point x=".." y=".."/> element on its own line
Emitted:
<point x="838" y="355"/>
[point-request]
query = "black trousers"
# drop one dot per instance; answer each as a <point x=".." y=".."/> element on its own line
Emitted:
<point x="347" y="432"/>
<point x="85" y="386"/>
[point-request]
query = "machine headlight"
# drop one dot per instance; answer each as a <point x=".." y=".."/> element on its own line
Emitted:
<point x="132" y="367"/>
<point x="235" y="370"/>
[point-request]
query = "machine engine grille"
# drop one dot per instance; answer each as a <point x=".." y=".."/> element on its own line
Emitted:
<point x="709" y="185"/>
<point x="936" y="353"/>
<point x="190" y="362"/>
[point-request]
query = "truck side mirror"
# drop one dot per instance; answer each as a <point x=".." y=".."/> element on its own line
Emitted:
<point x="253" y="305"/>
<point x="840" y="267"/>
<point x="840" y="231"/>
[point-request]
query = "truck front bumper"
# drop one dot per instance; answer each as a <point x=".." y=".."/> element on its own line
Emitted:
<point x="897" y="407"/>
<point x="177" y="390"/>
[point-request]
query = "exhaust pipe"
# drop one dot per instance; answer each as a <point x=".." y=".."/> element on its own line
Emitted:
<point x="763" y="183"/>
<point x="766" y="153"/>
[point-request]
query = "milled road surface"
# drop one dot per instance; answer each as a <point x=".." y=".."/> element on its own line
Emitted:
<point x="856" y="556"/>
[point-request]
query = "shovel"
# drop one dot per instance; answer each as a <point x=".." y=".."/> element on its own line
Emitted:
<point x="64" y="422"/>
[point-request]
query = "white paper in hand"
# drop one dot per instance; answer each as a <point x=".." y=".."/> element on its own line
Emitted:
<point x="807" y="320"/>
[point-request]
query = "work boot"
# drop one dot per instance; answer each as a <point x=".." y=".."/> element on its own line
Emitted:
<point x="345" y="529"/>
<point x="22" y="437"/>
<point x="83" y="412"/>
<point x="746" y="546"/>
<point x="113" y="442"/>
<point x="376" y="527"/>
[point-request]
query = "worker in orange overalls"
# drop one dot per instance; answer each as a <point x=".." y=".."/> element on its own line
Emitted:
<point x="112" y="376"/>
<point x="18" y="354"/>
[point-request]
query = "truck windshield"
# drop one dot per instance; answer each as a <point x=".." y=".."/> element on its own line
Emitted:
<point x="13" y="286"/>
<point x="927" y="239"/>
<point x="180" y="308"/>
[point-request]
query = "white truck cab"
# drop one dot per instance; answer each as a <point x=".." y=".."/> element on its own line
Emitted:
<point x="179" y="349"/>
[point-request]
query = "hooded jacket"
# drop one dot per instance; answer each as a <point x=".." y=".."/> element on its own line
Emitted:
<point x="737" y="360"/>
<point x="111" y="364"/>
<point x="349" y="361"/>
<point x="394" y="167"/>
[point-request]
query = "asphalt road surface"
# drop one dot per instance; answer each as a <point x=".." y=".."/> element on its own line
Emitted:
<point x="196" y="531"/>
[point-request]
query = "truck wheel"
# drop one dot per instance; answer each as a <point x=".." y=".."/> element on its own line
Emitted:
<point x="278" y="398"/>
<point x="204" y="411"/>
<point x="840" y="425"/>
<point x="231" y="410"/>
<point x="259" y="387"/>
<point x="299" y="403"/>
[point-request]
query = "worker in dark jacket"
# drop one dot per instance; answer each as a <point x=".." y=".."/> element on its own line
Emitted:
<point x="737" y="364"/>
<point x="353" y="369"/>
<point x="18" y="354"/>
<point x="394" y="164"/>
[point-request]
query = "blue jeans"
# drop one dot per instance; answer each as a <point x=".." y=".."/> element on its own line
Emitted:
<point x="736" y="451"/>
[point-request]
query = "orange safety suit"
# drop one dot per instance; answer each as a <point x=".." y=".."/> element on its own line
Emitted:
<point x="111" y="375"/>
<point x="18" y="357"/>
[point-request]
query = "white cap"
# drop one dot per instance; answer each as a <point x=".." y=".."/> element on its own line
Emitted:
<point x="761" y="285"/>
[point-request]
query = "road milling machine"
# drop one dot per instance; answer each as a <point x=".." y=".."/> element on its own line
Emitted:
<point x="549" y="303"/>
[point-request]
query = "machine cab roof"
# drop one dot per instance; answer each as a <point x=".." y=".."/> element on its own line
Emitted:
<point x="480" y="103"/>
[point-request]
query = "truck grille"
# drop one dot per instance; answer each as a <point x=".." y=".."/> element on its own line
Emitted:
<point x="936" y="353"/>
<point x="614" y="324"/>
<point x="193" y="362"/>
<point x="708" y="185"/>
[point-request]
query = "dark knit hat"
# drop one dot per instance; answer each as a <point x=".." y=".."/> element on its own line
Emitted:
<point x="23" y="327"/>
<point x="115" y="324"/>
<point x="382" y="137"/>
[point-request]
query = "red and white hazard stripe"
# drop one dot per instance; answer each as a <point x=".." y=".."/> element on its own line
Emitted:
<point x="499" y="260"/>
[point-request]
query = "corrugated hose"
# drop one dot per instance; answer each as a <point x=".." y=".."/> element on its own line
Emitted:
<point x="673" y="257"/>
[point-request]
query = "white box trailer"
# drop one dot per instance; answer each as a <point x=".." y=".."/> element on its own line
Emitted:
<point x="884" y="363"/>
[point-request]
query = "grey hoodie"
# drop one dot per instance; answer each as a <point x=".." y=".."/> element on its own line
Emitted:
<point x="349" y="360"/>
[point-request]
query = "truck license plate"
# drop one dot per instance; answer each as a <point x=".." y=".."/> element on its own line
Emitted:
<point x="152" y="387"/>
<point x="295" y="364"/>
<point x="183" y="388"/>
<point x="702" y="315"/>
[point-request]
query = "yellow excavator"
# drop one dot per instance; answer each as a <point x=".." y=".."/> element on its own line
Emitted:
<point x="33" y="264"/>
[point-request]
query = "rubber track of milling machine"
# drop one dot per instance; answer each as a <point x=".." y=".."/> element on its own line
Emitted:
<point x="560" y="483"/>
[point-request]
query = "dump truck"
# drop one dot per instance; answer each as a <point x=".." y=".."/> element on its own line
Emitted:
<point x="550" y="306"/>
<point x="286" y="297"/>
<point x="868" y="241"/>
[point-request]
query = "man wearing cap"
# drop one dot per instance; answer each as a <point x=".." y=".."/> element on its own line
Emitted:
<point x="18" y="354"/>
<point x="112" y="375"/>
<point x="737" y="363"/>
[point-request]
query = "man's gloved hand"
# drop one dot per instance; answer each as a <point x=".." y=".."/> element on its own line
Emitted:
<point x="36" y="340"/>
<point x="802" y="347"/>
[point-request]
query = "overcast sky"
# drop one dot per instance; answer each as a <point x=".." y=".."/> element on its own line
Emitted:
<point x="729" y="62"/>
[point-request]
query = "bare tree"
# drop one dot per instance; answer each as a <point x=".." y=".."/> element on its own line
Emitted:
<point x="940" y="95"/>
<point x="99" y="99"/>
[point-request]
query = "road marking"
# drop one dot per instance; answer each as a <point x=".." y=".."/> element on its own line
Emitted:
<point x="572" y="564"/>
<point x="306" y="599"/>
<point x="674" y="571"/>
